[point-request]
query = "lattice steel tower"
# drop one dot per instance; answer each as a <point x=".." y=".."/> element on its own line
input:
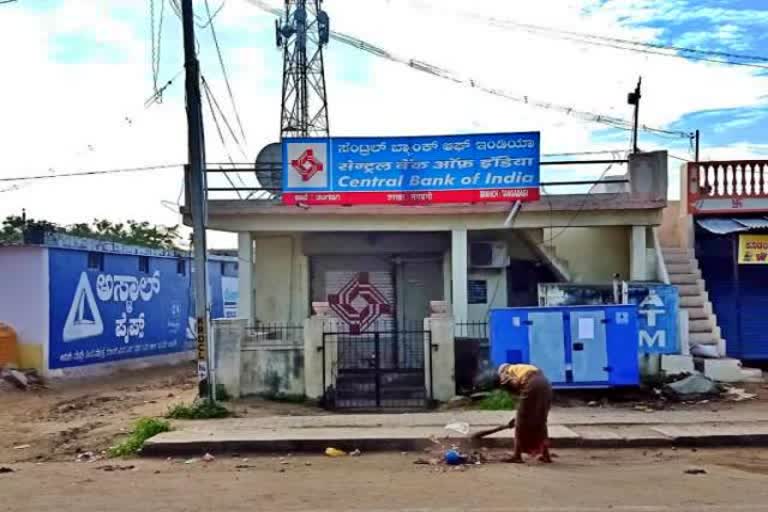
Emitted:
<point x="302" y="34"/>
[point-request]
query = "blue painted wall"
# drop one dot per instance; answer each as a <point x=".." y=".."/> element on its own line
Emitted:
<point x="117" y="311"/>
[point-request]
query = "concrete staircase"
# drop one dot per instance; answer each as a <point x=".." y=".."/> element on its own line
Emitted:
<point x="684" y="272"/>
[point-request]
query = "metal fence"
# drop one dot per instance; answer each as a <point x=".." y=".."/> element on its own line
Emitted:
<point x="472" y="353"/>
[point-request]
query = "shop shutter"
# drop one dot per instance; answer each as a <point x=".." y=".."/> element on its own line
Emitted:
<point x="753" y="311"/>
<point x="716" y="259"/>
<point x="331" y="273"/>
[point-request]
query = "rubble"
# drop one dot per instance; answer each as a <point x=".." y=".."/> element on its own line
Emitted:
<point x="695" y="387"/>
<point x="738" y="395"/>
<point x="23" y="380"/>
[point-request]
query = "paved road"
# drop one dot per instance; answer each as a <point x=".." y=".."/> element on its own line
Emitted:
<point x="580" y="481"/>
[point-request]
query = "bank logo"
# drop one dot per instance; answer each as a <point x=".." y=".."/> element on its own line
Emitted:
<point x="307" y="165"/>
<point x="359" y="303"/>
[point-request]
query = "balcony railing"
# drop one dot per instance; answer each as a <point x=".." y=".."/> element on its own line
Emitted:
<point x="263" y="182"/>
<point x="728" y="186"/>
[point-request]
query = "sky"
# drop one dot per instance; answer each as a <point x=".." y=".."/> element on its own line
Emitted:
<point x="77" y="74"/>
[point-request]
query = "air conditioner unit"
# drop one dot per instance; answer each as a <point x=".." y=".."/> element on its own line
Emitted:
<point x="488" y="255"/>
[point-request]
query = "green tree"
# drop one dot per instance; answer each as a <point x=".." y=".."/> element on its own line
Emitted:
<point x="131" y="233"/>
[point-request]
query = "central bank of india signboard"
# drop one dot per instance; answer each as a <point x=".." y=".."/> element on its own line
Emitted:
<point x="412" y="170"/>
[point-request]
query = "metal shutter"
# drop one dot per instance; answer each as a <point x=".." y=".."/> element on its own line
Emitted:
<point x="716" y="258"/>
<point x="331" y="273"/>
<point x="753" y="306"/>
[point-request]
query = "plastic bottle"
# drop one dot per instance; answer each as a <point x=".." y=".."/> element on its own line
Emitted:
<point x="335" y="452"/>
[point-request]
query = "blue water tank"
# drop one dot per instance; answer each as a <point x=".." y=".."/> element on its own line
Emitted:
<point x="575" y="346"/>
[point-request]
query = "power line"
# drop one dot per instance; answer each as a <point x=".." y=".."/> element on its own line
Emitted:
<point x="224" y="70"/>
<point x="718" y="57"/>
<point x="598" y="40"/>
<point x="198" y="19"/>
<point x="93" y="173"/>
<point x="207" y="92"/>
<point x="215" y="103"/>
<point x="583" y="204"/>
<point x="586" y="153"/>
<point x="612" y="121"/>
<point x="159" y="92"/>
<point x="156" y="44"/>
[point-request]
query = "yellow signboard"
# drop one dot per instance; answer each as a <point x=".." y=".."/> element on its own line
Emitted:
<point x="753" y="249"/>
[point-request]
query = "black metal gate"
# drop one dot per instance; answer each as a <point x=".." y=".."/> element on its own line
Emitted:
<point x="378" y="369"/>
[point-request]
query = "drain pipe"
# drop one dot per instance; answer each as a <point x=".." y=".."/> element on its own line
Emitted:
<point x="513" y="214"/>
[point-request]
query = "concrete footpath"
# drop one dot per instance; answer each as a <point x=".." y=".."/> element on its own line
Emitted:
<point x="569" y="428"/>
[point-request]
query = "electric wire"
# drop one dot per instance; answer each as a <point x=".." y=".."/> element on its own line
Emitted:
<point x="223" y="67"/>
<point x="727" y="58"/>
<point x="207" y="93"/>
<point x="425" y="67"/>
<point x="573" y="218"/>
<point x="156" y="44"/>
<point x="93" y="173"/>
<point x="231" y="131"/>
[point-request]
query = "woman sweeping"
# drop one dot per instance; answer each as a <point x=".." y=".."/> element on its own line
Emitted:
<point x="531" y="435"/>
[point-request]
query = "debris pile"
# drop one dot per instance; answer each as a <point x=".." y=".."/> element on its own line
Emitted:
<point x="24" y="380"/>
<point x="694" y="387"/>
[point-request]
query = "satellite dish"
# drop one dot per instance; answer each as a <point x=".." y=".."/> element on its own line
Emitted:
<point x="269" y="168"/>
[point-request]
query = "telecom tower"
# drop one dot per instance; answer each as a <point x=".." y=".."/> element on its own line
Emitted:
<point x="302" y="34"/>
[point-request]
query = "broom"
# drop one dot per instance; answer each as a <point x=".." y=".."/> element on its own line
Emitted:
<point x="485" y="433"/>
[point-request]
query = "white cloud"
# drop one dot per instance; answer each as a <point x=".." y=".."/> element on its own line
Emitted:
<point x="53" y="112"/>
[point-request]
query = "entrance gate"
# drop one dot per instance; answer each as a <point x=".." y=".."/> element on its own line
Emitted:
<point x="378" y="369"/>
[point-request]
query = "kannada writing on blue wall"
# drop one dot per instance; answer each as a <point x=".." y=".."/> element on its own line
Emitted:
<point x="453" y="168"/>
<point x="115" y="312"/>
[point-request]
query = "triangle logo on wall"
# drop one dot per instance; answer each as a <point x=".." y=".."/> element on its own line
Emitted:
<point x="83" y="319"/>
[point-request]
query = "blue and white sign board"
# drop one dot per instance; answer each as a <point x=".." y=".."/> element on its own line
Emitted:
<point x="412" y="170"/>
<point x="99" y="316"/>
<point x="657" y="305"/>
<point x="230" y="295"/>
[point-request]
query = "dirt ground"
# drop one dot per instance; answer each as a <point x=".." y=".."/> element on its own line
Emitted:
<point x="58" y="423"/>
<point x="579" y="481"/>
<point x="70" y="418"/>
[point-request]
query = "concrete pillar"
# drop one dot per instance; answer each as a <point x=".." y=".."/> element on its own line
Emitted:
<point x="459" y="275"/>
<point x="638" y="254"/>
<point x="316" y="359"/>
<point x="440" y="371"/>
<point x="228" y="337"/>
<point x="648" y="175"/>
<point x="245" y="277"/>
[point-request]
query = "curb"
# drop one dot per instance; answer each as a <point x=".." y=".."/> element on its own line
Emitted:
<point x="161" y="448"/>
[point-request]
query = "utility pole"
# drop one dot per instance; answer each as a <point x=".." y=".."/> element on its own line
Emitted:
<point x="634" y="99"/>
<point x="196" y="146"/>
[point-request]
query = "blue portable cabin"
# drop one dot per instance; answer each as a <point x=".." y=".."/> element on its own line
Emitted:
<point x="575" y="346"/>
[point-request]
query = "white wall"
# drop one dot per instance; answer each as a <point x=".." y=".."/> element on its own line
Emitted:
<point x="24" y="299"/>
<point x="496" y="280"/>
<point x="281" y="279"/>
